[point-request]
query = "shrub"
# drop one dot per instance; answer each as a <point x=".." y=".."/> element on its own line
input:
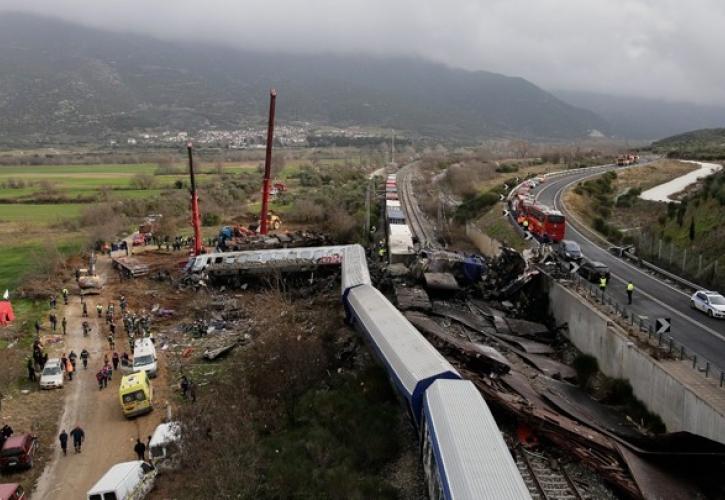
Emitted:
<point x="143" y="181"/>
<point x="210" y="219"/>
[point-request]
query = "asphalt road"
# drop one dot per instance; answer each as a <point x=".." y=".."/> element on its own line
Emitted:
<point x="653" y="297"/>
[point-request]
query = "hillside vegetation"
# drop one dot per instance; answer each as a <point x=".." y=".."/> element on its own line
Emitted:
<point x="687" y="237"/>
<point x="704" y="144"/>
<point x="94" y="83"/>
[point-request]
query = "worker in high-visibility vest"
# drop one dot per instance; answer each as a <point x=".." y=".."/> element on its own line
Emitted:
<point x="526" y="224"/>
<point x="603" y="283"/>
<point x="630" y="291"/>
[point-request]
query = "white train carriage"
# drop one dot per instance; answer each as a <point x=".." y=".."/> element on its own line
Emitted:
<point x="411" y="361"/>
<point x="464" y="454"/>
<point x="400" y="243"/>
<point x="354" y="268"/>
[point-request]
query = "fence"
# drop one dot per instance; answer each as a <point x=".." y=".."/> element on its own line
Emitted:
<point x="664" y="344"/>
<point x="684" y="262"/>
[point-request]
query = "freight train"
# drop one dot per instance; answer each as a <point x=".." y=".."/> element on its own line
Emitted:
<point x="400" y="238"/>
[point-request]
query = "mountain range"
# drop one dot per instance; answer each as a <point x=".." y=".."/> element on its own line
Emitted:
<point x="61" y="80"/>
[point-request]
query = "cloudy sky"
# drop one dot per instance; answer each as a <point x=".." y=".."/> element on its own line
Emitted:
<point x="672" y="49"/>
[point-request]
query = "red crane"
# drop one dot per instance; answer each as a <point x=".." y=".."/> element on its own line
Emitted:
<point x="195" y="217"/>
<point x="263" y="226"/>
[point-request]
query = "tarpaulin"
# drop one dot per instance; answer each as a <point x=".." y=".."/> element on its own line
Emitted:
<point x="6" y="312"/>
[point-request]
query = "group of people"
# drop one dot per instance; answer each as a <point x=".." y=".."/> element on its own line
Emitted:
<point x="603" y="282"/>
<point x="77" y="434"/>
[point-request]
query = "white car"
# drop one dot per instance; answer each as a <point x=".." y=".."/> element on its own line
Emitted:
<point x="711" y="303"/>
<point x="52" y="375"/>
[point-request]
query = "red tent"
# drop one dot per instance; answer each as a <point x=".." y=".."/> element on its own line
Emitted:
<point x="6" y="312"/>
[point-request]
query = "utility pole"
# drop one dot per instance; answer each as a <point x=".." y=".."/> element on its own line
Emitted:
<point x="392" y="147"/>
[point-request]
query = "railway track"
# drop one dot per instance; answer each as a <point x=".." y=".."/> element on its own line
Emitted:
<point x="419" y="226"/>
<point x="546" y="478"/>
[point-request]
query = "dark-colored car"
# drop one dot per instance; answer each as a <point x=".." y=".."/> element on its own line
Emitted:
<point x="569" y="250"/>
<point x="12" y="491"/>
<point x="593" y="270"/>
<point x="18" y="451"/>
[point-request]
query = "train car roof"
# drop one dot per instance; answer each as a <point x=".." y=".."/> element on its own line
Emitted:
<point x="354" y="267"/>
<point x="468" y="445"/>
<point x="411" y="361"/>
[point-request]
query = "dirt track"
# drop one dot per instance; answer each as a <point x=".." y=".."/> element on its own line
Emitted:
<point x="110" y="437"/>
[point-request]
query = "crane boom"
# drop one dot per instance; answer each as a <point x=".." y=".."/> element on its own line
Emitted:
<point x="195" y="217"/>
<point x="263" y="226"/>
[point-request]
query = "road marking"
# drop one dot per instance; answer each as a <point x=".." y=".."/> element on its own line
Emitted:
<point x="641" y="292"/>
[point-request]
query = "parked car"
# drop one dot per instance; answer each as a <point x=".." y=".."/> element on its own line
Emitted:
<point x="593" y="270"/>
<point x="52" y="375"/>
<point x="711" y="303"/>
<point x="569" y="250"/>
<point x="12" y="491"/>
<point x="18" y="451"/>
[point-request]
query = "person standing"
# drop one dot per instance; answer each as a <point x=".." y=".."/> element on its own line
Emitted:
<point x="63" y="438"/>
<point x="99" y="310"/>
<point x="630" y="291"/>
<point x="64" y="325"/>
<point x="78" y="437"/>
<point x="52" y="301"/>
<point x="37" y="327"/>
<point x="84" y="358"/>
<point x="85" y="309"/>
<point x="100" y="379"/>
<point x="65" y="296"/>
<point x="31" y="370"/>
<point x="115" y="358"/>
<point x="53" y="320"/>
<point x="140" y="449"/>
<point x="603" y="283"/>
<point x="69" y="368"/>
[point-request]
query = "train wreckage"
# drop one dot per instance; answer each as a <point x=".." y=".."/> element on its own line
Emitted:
<point x="466" y="307"/>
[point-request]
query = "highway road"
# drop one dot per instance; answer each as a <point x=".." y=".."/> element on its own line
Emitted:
<point x="653" y="297"/>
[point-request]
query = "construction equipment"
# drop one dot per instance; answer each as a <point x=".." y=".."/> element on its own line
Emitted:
<point x="88" y="281"/>
<point x="264" y="215"/>
<point x="195" y="217"/>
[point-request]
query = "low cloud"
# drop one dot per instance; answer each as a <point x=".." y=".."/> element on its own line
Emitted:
<point x="654" y="48"/>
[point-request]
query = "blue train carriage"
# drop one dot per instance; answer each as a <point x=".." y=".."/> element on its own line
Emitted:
<point x="411" y="361"/>
<point x="464" y="454"/>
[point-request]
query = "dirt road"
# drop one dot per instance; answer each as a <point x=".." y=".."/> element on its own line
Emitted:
<point x="110" y="437"/>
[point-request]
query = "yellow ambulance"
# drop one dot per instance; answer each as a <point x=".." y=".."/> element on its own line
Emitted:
<point x="136" y="394"/>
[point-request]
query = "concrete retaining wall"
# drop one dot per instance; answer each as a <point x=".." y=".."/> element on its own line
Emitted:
<point x="679" y="406"/>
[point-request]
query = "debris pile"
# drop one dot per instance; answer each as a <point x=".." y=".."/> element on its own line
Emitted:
<point x="518" y="366"/>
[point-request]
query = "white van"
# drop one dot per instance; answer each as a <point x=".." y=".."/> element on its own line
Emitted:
<point x="124" y="481"/>
<point x="164" y="445"/>
<point x="144" y="357"/>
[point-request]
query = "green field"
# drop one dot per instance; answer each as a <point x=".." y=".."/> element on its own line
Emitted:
<point x="39" y="214"/>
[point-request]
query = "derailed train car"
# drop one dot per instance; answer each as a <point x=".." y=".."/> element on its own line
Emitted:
<point x="464" y="454"/>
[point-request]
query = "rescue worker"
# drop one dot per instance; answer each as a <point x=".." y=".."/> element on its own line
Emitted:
<point x="84" y="357"/>
<point x="99" y="310"/>
<point x="64" y="324"/>
<point x="78" y="437"/>
<point x="630" y="291"/>
<point x="85" y="309"/>
<point x="603" y="283"/>
<point x="140" y="449"/>
<point x="31" y="370"/>
<point x="69" y="368"/>
<point x="53" y="321"/>
<point x="65" y="296"/>
<point x="63" y="438"/>
<point x="526" y="224"/>
<point x="52" y="301"/>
